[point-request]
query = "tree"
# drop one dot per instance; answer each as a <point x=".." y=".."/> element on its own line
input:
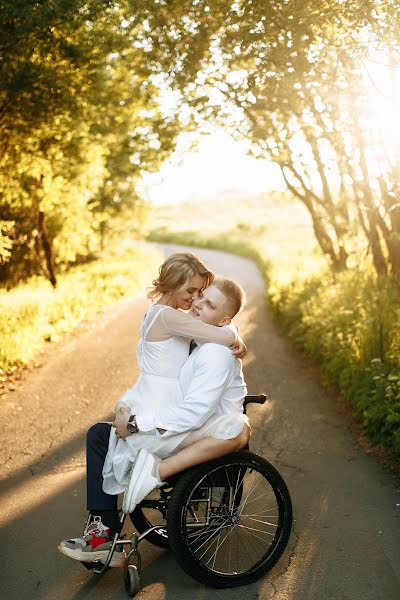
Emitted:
<point x="79" y="121"/>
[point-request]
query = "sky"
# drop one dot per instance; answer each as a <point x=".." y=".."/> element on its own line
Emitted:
<point x="218" y="164"/>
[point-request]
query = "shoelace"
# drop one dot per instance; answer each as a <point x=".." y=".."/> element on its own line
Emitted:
<point x="95" y="526"/>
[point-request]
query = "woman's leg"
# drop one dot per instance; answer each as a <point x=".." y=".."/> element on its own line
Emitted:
<point x="202" y="450"/>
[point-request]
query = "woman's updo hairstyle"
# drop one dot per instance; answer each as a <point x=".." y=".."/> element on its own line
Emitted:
<point x="175" y="271"/>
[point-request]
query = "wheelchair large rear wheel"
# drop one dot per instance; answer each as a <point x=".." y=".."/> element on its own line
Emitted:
<point x="229" y="520"/>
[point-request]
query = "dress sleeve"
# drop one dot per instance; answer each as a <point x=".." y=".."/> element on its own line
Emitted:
<point x="179" y="323"/>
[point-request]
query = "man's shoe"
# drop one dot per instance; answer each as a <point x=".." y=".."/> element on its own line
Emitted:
<point x="93" y="546"/>
<point x="143" y="480"/>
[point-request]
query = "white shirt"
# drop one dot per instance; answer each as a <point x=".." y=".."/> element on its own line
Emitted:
<point x="212" y="384"/>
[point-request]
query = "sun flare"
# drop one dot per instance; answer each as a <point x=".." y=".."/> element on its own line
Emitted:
<point x="217" y="165"/>
<point x="382" y="76"/>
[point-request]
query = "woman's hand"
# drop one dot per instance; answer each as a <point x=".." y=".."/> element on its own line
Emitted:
<point x="239" y="348"/>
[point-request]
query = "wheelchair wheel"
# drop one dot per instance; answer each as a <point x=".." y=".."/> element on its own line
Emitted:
<point x="151" y="511"/>
<point x="229" y="521"/>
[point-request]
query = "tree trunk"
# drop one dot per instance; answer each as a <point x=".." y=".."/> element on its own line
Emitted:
<point x="338" y="259"/>
<point x="392" y="236"/>
<point x="47" y="248"/>
<point x="372" y="210"/>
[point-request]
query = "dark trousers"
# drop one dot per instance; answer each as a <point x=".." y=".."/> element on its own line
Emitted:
<point x="96" y="450"/>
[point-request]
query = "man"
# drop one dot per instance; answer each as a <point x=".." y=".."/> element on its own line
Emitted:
<point x="208" y="423"/>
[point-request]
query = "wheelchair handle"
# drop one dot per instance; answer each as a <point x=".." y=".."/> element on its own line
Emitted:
<point x="257" y="399"/>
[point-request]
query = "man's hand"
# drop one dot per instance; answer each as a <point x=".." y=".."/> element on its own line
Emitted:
<point x="122" y="415"/>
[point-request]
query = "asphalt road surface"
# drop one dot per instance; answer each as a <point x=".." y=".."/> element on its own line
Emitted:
<point x="345" y="543"/>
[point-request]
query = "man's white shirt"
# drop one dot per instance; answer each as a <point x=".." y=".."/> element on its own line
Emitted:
<point x="212" y="385"/>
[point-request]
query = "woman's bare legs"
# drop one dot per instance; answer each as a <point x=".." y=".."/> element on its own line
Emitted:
<point x="201" y="451"/>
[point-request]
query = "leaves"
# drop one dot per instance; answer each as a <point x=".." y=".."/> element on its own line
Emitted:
<point x="79" y="121"/>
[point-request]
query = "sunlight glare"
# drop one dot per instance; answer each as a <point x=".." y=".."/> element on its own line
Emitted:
<point x="218" y="164"/>
<point x="382" y="76"/>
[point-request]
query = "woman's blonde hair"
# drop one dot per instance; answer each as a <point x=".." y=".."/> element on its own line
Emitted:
<point x="175" y="271"/>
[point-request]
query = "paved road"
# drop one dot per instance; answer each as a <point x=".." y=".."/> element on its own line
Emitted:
<point x="346" y="539"/>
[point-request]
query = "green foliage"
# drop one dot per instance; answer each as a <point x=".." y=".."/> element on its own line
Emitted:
<point x="377" y="399"/>
<point x="80" y="120"/>
<point x="349" y="325"/>
<point x="34" y="313"/>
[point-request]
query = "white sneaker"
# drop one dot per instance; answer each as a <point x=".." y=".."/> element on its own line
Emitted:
<point x="142" y="481"/>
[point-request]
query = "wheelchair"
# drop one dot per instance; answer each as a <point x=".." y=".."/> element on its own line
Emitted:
<point x="227" y="521"/>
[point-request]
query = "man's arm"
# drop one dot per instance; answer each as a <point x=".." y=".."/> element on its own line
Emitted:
<point x="212" y="372"/>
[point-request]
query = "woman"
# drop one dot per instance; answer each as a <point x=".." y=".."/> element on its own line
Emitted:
<point x="166" y="333"/>
<point x="165" y="337"/>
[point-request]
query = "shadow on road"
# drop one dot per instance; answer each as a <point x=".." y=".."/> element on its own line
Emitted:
<point x="51" y="461"/>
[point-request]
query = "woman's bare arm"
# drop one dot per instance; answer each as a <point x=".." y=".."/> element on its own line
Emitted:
<point x="171" y="322"/>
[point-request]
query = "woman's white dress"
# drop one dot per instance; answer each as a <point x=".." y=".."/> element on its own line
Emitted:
<point x="160" y="363"/>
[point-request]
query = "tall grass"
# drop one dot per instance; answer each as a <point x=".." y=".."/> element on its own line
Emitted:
<point x="34" y="313"/>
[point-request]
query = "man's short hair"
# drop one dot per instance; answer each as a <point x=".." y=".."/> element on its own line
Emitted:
<point x="234" y="294"/>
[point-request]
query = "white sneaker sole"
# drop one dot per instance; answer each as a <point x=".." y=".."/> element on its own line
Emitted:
<point x="138" y="473"/>
<point x="117" y="560"/>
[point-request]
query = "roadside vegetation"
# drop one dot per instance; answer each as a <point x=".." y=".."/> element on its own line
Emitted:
<point x="347" y="322"/>
<point x="34" y="313"/>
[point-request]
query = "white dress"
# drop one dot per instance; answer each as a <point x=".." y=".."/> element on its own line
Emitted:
<point x="160" y="363"/>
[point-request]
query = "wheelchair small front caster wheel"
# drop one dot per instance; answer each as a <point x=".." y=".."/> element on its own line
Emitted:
<point x="132" y="580"/>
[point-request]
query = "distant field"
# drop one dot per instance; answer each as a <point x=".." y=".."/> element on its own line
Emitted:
<point x="279" y="226"/>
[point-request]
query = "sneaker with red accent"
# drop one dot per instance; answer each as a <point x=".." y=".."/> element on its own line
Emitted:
<point x="93" y="545"/>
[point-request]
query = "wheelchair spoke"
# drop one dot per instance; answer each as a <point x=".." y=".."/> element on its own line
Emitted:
<point x="260" y="521"/>
<point x="263" y="513"/>
<point x="199" y="534"/>
<point x="237" y="488"/>
<point x="227" y="534"/>
<point x="264" y="494"/>
<point x="255" y="529"/>
<point x="212" y="536"/>
<point x="252" y="547"/>
<point x="242" y="550"/>
<point x="251" y="490"/>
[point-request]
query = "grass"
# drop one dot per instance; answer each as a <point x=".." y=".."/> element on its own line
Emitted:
<point x="34" y="313"/>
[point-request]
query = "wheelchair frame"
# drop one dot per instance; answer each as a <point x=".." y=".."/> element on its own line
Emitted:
<point x="199" y="572"/>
